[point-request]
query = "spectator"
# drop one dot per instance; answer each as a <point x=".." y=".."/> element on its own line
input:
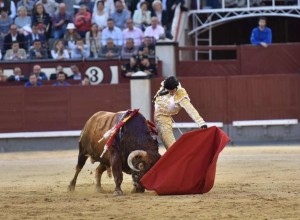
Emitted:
<point x="147" y="48"/>
<point x="71" y="35"/>
<point x="60" y="22"/>
<point x="33" y="81"/>
<point x="85" y="81"/>
<point x="3" y="77"/>
<point x="76" y="73"/>
<point x="0" y="55"/>
<point x="42" y="19"/>
<point x="100" y="16"/>
<point x="10" y="7"/>
<point x="170" y="6"/>
<point x="61" y="79"/>
<point x="58" y="69"/>
<point x="59" y="52"/>
<point x="37" y="52"/>
<point x="88" y="3"/>
<point x="140" y="2"/>
<point x="142" y="16"/>
<point x="49" y="5"/>
<point x="147" y="67"/>
<point x="129" y="49"/>
<point x="5" y="23"/>
<point x="120" y="15"/>
<point x="133" y="32"/>
<point x="80" y="50"/>
<point x="128" y="69"/>
<point x="15" y="53"/>
<point x="35" y="35"/>
<point x="83" y="21"/>
<point x="235" y="3"/>
<point x="28" y="4"/>
<point x="93" y="40"/>
<point x="109" y="6"/>
<point x="110" y="50"/>
<point x="155" y="30"/>
<point x="17" y="76"/>
<point x="160" y="14"/>
<point x="13" y="36"/>
<point x="22" y="19"/>
<point x="38" y="72"/>
<point x="112" y="32"/>
<point x="261" y="35"/>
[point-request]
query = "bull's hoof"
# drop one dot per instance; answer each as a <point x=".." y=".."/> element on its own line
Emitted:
<point x="71" y="188"/>
<point x="99" y="189"/>
<point x="135" y="190"/>
<point x="118" y="193"/>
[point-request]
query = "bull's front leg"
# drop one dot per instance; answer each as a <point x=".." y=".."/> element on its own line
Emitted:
<point x="116" y="164"/>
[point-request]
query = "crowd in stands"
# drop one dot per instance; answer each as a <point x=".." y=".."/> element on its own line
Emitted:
<point x="37" y="78"/>
<point x="80" y="29"/>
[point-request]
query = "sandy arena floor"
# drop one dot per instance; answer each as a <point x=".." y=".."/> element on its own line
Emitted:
<point x="251" y="183"/>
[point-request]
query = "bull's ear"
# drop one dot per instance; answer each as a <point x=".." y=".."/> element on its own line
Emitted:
<point x="141" y="166"/>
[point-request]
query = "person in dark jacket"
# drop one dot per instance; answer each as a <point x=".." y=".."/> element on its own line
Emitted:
<point x="130" y="68"/>
<point x="17" y="76"/>
<point x="14" y="36"/>
<point x="43" y="19"/>
<point x="37" y="51"/>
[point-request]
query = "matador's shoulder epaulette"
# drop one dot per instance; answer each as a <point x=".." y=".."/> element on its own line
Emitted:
<point x="180" y="94"/>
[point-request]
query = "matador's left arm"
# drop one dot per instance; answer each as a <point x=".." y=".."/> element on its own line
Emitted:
<point x="192" y="112"/>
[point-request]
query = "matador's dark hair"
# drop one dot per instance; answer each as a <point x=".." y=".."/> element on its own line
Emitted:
<point x="171" y="83"/>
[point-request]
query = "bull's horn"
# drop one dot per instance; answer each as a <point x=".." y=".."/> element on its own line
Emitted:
<point x="134" y="154"/>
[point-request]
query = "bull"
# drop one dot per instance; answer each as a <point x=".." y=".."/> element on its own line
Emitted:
<point x="133" y="151"/>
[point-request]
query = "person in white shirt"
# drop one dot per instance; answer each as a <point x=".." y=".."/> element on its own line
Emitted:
<point x="111" y="31"/>
<point x="13" y="10"/>
<point x="109" y="6"/>
<point x="133" y="32"/>
<point x="155" y="30"/>
<point x="59" y="52"/>
<point x="100" y="16"/>
<point x="142" y="16"/>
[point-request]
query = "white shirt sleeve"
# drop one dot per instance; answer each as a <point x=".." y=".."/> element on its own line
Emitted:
<point x="13" y="10"/>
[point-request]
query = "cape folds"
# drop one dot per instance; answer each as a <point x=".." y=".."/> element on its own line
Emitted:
<point x="189" y="166"/>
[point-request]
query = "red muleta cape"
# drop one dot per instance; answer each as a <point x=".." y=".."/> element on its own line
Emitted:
<point x="189" y="166"/>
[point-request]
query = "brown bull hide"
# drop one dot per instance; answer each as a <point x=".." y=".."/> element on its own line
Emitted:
<point x="134" y="136"/>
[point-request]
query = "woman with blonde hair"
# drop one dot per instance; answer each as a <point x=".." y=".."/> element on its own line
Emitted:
<point x="93" y="39"/>
<point x="59" y="52"/>
<point x="22" y="19"/>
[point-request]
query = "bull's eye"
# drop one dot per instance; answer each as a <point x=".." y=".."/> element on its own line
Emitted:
<point x="141" y="166"/>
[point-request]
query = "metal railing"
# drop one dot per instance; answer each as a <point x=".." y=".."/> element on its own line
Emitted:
<point x="246" y="5"/>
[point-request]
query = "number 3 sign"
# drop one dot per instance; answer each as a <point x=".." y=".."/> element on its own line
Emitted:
<point x="95" y="75"/>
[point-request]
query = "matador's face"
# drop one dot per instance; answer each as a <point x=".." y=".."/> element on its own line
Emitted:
<point x="172" y="92"/>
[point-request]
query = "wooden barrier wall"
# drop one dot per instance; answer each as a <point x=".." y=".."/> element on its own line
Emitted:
<point x="50" y="108"/>
<point x="226" y="99"/>
<point x="223" y="99"/>
<point x="249" y="60"/>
